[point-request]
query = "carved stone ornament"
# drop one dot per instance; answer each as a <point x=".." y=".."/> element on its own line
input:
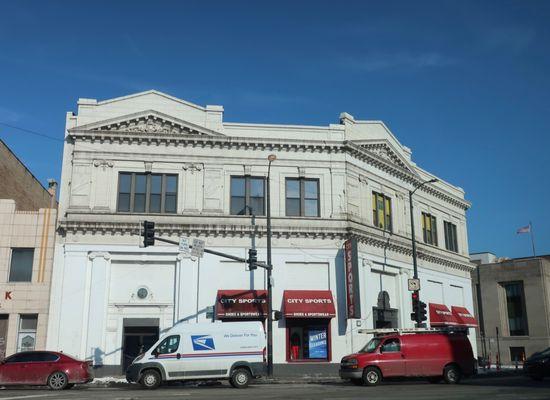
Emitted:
<point x="383" y="151"/>
<point x="103" y="163"/>
<point x="149" y="124"/>
<point x="191" y="167"/>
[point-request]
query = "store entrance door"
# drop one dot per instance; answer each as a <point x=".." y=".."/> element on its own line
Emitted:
<point x="139" y="335"/>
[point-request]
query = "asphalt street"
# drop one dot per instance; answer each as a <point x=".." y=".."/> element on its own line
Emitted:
<point x="511" y="387"/>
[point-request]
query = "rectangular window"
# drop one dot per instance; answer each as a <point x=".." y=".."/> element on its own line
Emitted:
<point x="451" y="240"/>
<point x="26" y="339"/>
<point x="429" y="228"/>
<point x="21" y="265"/>
<point x="147" y="193"/>
<point x="517" y="354"/>
<point x="247" y="195"/>
<point x="515" y="305"/>
<point x="381" y="211"/>
<point x="308" y="340"/>
<point x="302" y="197"/>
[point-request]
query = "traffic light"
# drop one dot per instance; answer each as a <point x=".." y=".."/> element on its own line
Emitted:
<point x="148" y="233"/>
<point x="422" y="313"/>
<point x="415" y="303"/>
<point x="252" y="259"/>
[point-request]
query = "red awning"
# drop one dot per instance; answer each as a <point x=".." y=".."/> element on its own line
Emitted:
<point x="308" y="304"/>
<point x="241" y="304"/>
<point x="441" y="316"/>
<point x="464" y="317"/>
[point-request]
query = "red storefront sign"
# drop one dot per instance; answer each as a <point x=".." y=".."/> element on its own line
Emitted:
<point x="241" y="304"/>
<point x="440" y="315"/>
<point x="351" y="265"/>
<point x="308" y="304"/>
<point x="464" y="317"/>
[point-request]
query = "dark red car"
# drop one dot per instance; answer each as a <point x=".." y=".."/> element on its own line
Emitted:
<point x="57" y="370"/>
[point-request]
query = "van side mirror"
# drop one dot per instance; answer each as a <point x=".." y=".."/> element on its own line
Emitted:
<point x="155" y="353"/>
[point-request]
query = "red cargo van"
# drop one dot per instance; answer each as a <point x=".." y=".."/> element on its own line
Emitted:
<point x="435" y="355"/>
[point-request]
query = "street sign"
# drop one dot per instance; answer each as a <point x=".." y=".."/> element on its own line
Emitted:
<point x="184" y="245"/>
<point x="198" y="248"/>
<point x="414" y="284"/>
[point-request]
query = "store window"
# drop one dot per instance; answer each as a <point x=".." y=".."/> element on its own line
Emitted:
<point x="302" y="197"/>
<point x="384" y="316"/>
<point x="381" y="211"/>
<point x="517" y="354"/>
<point x="515" y="307"/>
<point x="308" y="340"/>
<point x="26" y="340"/>
<point x="429" y="229"/>
<point x="147" y="193"/>
<point x="247" y="195"/>
<point x="21" y="265"/>
<point x="451" y="240"/>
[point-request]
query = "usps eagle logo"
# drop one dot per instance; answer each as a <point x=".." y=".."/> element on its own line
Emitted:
<point x="203" y="342"/>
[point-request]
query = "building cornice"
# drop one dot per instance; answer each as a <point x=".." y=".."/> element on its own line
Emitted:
<point x="339" y="230"/>
<point x="268" y="144"/>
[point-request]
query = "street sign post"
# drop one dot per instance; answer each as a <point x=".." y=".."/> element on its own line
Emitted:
<point x="197" y="250"/>
<point x="184" y="245"/>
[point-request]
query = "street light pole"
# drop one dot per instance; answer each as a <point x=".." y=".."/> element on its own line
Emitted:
<point x="413" y="238"/>
<point x="271" y="158"/>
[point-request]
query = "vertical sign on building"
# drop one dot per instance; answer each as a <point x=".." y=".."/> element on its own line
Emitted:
<point x="351" y="262"/>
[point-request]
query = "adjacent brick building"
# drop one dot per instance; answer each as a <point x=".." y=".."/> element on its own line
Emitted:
<point x="28" y="214"/>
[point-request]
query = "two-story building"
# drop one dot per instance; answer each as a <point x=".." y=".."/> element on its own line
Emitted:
<point x="153" y="156"/>
<point x="27" y="233"/>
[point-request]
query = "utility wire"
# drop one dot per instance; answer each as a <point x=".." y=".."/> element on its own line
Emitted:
<point x="32" y="132"/>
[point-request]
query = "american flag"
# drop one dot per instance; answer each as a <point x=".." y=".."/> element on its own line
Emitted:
<point x="525" y="229"/>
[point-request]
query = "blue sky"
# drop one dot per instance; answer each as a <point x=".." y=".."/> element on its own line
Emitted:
<point x="465" y="84"/>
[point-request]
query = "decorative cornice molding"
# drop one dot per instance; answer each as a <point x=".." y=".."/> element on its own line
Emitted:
<point x="367" y="235"/>
<point x="99" y="254"/>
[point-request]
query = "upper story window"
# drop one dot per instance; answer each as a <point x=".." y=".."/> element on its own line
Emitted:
<point x="515" y="306"/>
<point x="302" y="197"/>
<point x="381" y="211"/>
<point x="247" y="195"/>
<point x="451" y="241"/>
<point x="147" y="193"/>
<point x="429" y="229"/>
<point x="21" y="265"/>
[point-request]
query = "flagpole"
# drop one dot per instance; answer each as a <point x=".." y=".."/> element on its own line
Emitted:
<point x="532" y="238"/>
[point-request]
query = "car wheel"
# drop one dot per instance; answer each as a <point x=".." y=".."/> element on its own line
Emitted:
<point x="434" y="379"/>
<point x="452" y="374"/>
<point x="357" y="382"/>
<point x="240" y="378"/>
<point x="150" y="379"/>
<point x="58" y="381"/>
<point x="372" y="376"/>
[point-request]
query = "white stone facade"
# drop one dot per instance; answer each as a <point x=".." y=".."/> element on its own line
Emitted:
<point x="99" y="265"/>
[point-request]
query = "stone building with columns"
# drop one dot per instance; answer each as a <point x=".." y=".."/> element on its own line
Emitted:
<point x="156" y="157"/>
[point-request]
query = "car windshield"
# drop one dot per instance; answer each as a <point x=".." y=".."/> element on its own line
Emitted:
<point x="370" y="346"/>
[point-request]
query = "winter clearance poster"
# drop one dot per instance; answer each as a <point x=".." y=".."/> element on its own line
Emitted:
<point x="317" y="343"/>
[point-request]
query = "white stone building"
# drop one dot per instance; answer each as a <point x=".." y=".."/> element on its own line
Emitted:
<point x="152" y="156"/>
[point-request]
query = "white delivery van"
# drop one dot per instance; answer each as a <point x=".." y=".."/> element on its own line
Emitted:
<point x="211" y="351"/>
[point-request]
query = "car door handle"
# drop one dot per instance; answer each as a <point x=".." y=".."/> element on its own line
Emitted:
<point x="178" y="356"/>
<point x="402" y="355"/>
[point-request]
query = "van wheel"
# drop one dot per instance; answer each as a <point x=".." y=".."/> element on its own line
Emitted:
<point x="150" y="379"/>
<point x="58" y="381"/>
<point x="372" y="376"/>
<point x="452" y="374"/>
<point x="240" y="378"/>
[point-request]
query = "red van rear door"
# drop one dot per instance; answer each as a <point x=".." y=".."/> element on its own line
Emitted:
<point x="391" y="359"/>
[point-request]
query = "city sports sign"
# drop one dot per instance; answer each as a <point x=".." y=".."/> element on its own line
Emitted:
<point x="351" y="266"/>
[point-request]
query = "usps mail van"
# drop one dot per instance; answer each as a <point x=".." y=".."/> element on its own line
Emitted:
<point x="212" y="351"/>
